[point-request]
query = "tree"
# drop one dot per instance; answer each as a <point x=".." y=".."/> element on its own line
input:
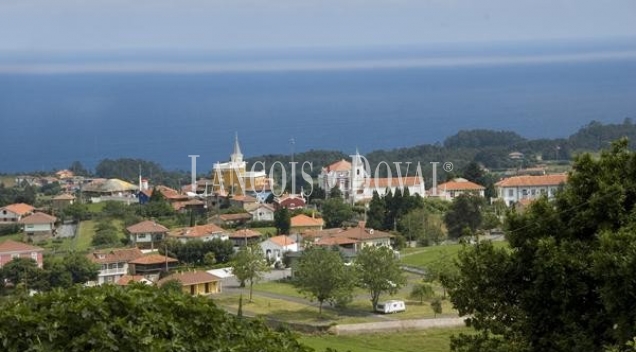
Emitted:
<point x="76" y="211"/>
<point x="378" y="271"/>
<point x="322" y="275"/>
<point x="22" y="270"/>
<point x="106" y="234"/>
<point x="248" y="265"/>
<point x="465" y="212"/>
<point x="71" y="269"/>
<point x="436" y="305"/>
<point x="282" y="221"/>
<point x="376" y="213"/>
<point x="473" y="172"/>
<point x="78" y="169"/>
<point x="566" y="284"/>
<point x="137" y="318"/>
<point x="335" y="192"/>
<point x="421" y="292"/>
<point x="335" y="212"/>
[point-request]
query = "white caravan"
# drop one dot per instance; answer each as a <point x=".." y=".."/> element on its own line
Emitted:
<point x="392" y="306"/>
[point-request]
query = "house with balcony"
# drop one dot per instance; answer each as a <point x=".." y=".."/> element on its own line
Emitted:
<point x="38" y="227"/>
<point x="10" y="250"/>
<point x="151" y="266"/>
<point x="147" y="234"/>
<point x="113" y="264"/>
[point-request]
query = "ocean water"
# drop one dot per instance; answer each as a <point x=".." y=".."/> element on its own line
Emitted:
<point x="49" y="120"/>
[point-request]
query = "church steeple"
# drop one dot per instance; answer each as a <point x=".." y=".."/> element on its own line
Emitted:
<point x="236" y="156"/>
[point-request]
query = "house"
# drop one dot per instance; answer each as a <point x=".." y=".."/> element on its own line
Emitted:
<point x="350" y="240"/>
<point x="242" y="201"/>
<point x="152" y="265"/>
<point x="516" y="188"/>
<point x="38" y="227"/>
<point x="301" y="223"/>
<point x="113" y="263"/>
<point x="180" y="202"/>
<point x="99" y="190"/>
<point x="245" y="237"/>
<point x="231" y="220"/>
<point x="262" y="212"/>
<point x="275" y="247"/>
<point x="147" y="234"/>
<point x="200" y="232"/>
<point x="195" y="282"/>
<point x="453" y="188"/>
<point x="290" y="201"/>
<point x="337" y="174"/>
<point x="129" y="279"/>
<point x="10" y="250"/>
<point x="13" y="213"/>
<point x="62" y="201"/>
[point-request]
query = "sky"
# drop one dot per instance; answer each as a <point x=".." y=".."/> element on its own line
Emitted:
<point x="71" y="26"/>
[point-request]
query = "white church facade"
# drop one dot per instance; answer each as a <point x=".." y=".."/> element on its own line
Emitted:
<point x="355" y="181"/>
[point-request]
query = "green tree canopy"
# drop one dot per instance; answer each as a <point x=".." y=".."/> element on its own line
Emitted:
<point x="567" y="284"/>
<point x="378" y="271"/>
<point x="322" y="275"/>
<point x="137" y="318"/>
<point x="282" y="221"/>
<point x="335" y="212"/>
<point x="464" y="213"/>
<point x="249" y="264"/>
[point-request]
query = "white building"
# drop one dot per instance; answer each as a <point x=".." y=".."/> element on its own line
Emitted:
<point x="453" y="188"/>
<point x="275" y="247"/>
<point x="355" y="181"/>
<point x="262" y="212"/>
<point x="113" y="264"/>
<point x="13" y="213"/>
<point x="517" y="188"/>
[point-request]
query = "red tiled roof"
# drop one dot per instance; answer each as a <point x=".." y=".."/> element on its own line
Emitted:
<point x="39" y="218"/>
<point x="341" y="165"/>
<point x="282" y="240"/>
<point x="153" y="259"/>
<point x="191" y="202"/>
<point x="245" y="233"/>
<point x="302" y="220"/>
<point x="331" y="241"/>
<point x="115" y="255"/>
<point x="190" y="278"/>
<point x="147" y="227"/>
<point x="360" y="234"/>
<point x="197" y="231"/>
<point x="19" y="208"/>
<point x="459" y="184"/>
<point x="529" y="181"/>
<point x="11" y="246"/>
<point x="244" y="199"/>
<point x="393" y="182"/>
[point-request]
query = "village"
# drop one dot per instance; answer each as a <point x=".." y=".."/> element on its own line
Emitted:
<point x="151" y="234"/>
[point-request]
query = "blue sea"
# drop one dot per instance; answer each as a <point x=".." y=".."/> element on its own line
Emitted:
<point x="48" y="120"/>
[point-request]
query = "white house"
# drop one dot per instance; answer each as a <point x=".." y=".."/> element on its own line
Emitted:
<point x="13" y="213"/>
<point x="355" y="181"/>
<point x="262" y="212"/>
<point x="275" y="247"/>
<point x="517" y="188"/>
<point x="38" y="227"/>
<point x="113" y="264"/>
<point x="453" y="188"/>
<point x="201" y="232"/>
<point x="147" y="234"/>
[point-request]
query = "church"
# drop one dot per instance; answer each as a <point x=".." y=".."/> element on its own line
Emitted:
<point x="354" y="180"/>
<point x="232" y="178"/>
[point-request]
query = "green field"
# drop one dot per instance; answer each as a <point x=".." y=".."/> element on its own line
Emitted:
<point x="15" y="237"/>
<point x="422" y="256"/>
<point x="432" y="340"/>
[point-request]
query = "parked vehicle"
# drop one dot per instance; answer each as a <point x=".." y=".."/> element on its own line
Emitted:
<point x="392" y="306"/>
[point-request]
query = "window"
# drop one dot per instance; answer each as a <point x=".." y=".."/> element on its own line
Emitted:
<point x="141" y="235"/>
<point x="34" y="256"/>
<point x="15" y="255"/>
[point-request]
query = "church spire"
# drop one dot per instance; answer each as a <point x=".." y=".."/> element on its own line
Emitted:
<point x="236" y="156"/>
